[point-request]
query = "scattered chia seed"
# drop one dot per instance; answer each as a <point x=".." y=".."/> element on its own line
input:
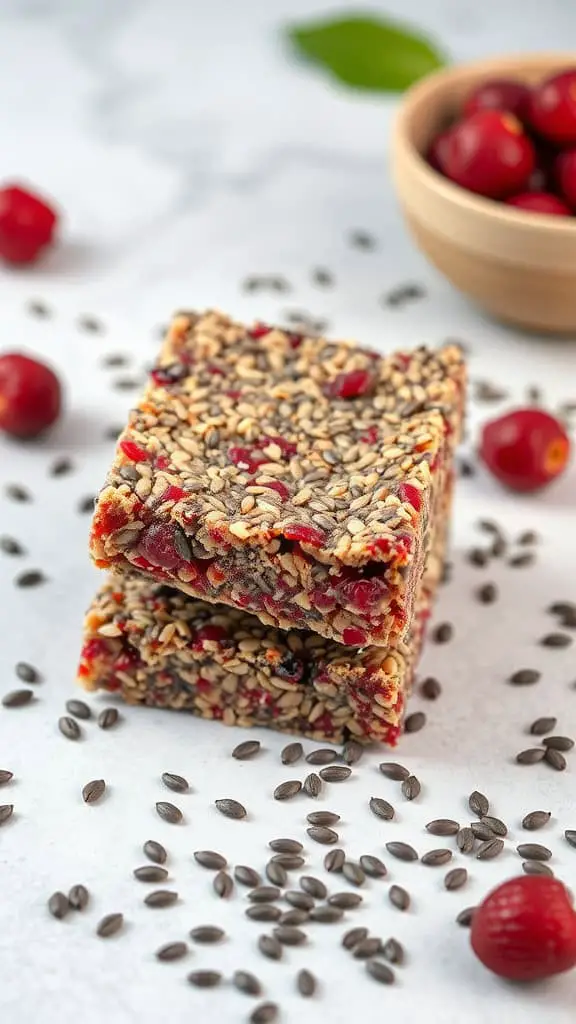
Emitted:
<point x="436" y="858"/>
<point x="415" y="722"/>
<point x="352" y="752"/>
<point x="207" y="934"/>
<point x="334" y="861"/>
<point x="324" y="755"/>
<point x="401" y="851"/>
<point x="489" y="849"/>
<point x="335" y="773"/>
<point x="263" y="912"/>
<point x="17" y="493"/>
<point x="535" y="820"/>
<point x="455" y="879"/>
<point x="556" y="640"/>
<point x="291" y="753"/>
<point x="478" y="803"/>
<point x="172" y="951"/>
<point x="150" y="873"/>
<point x="322" y="818"/>
<point x="276" y="873"/>
<point x="78" y="709"/>
<point x="31" y="578"/>
<point x="90" y="324"/>
<point x="521" y="561"/>
<point x="398" y="297"/>
<point x="61" y="467"/>
<point x="359" y="239"/>
<point x="27" y="673"/>
<point x="266" y="1013"/>
<point x="396" y="772"/>
<point x="443" y="827"/>
<point x="93" y="791"/>
<point x="321" y="834"/>
<point x="86" y="505"/>
<point x="78" y="897"/>
<point x="312" y="785"/>
<point x="222" y="884"/>
<point x="110" y="925"/>
<point x="294" y="916"/>
<point x="430" y="688"/>
<point x="325" y="914"/>
<point x="264" y="894"/>
<point x="393" y="951"/>
<point x="270" y="947"/>
<point x="443" y="633"/>
<point x="533" y="851"/>
<point x="555" y="759"/>
<point x="244" y="751"/>
<point x="536" y="867"/>
<point x="247" y="983"/>
<point x="177" y="783"/>
<point x="58" y="905"/>
<point x="465" y="917"/>
<point x="69" y="728"/>
<point x="524" y="677"/>
<point x="531" y="756"/>
<point x="398" y="897"/>
<point x="10" y="546"/>
<point x="563" y="743"/>
<point x="345" y="900"/>
<point x="169" y="812"/>
<point x="353" y="937"/>
<point x="287" y="790"/>
<point x="155" y="851"/>
<point x="108" y="718"/>
<point x="570" y="836"/>
<point x="246" y="876"/>
<point x="161" y="898"/>
<point x="381" y="808"/>
<point x="210" y="859"/>
<point x="300" y="900"/>
<point x="5" y="776"/>
<point x="542" y="726"/>
<point x="372" y="866"/>
<point x="411" y="787"/>
<point x="306" y="983"/>
<point x="498" y="827"/>
<point x="285" y="846"/>
<point x="478" y="557"/>
<point x="205" y="979"/>
<point x="487" y="593"/>
<point x="481" y="831"/>
<point x="17" y="698"/>
<point x="289" y="935"/>
<point x="380" y="972"/>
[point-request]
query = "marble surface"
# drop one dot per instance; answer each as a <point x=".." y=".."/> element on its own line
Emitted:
<point x="187" y="151"/>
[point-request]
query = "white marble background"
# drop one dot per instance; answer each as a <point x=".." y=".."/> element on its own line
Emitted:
<point x="186" y="151"/>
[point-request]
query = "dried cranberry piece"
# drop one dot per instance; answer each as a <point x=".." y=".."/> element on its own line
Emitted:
<point x="363" y="595"/>
<point x="259" y="330"/>
<point x="353" y="384"/>
<point x="133" y="451"/>
<point x="164" y="545"/>
<point x="371" y="435"/>
<point x="410" y="494"/>
<point x="353" y="637"/>
<point x="290" y="667"/>
<point x="163" y="376"/>
<point x="305" y="535"/>
<point x="294" y="340"/>
<point x="279" y="487"/>
<point x="245" y="458"/>
<point x="210" y="632"/>
<point x="286" y="447"/>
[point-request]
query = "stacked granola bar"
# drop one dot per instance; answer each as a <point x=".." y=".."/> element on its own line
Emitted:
<point x="274" y="524"/>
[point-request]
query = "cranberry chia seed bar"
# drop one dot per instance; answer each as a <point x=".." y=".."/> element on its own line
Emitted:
<point x="159" y="647"/>
<point x="295" y="478"/>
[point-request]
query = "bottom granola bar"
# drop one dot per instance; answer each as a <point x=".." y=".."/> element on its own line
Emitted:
<point x="157" y="646"/>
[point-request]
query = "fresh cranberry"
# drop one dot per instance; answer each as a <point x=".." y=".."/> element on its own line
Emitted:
<point x="353" y="637"/>
<point x="159" y="546"/>
<point x="305" y="535"/>
<point x="133" y="451"/>
<point x="525" y="929"/>
<point x="499" y="94"/>
<point x="552" y="108"/>
<point x="30" y="396"/>
<point x="526" y="449"/>
<point x="540" y="202"/>
<point x="246" y="458"/>
<point x="259" y="331"/>
<point x="363" y="595"/>
<point x="27" y="224"/>
<point x="489" y="154"/>
<point x="411" y="495"/>
<point x="353" y="384"/>
<point x="437" y="151"/>
<point x="565" y="176"/>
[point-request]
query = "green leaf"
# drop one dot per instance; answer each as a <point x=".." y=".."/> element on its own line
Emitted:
<point x="367" y="52"/>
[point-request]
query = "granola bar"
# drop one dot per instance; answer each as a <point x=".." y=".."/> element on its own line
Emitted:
<point x="296" y="478"/>
<point x="160" y="647"/>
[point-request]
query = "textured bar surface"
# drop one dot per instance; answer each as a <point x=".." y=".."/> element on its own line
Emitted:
<point x="296" y="478"/>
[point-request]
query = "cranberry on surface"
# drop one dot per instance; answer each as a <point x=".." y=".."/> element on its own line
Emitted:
<point x="525" y="929"/>
<point x="525" y="449"/>
<point x="540" y="202"/>
<point x="30" y="396"/>
<point x="552" y="108"/>
<point x="489" y="154"/>
<point x="27" y="224"/>
<point x="565" y="176"/>
<point x="499" y="94"/>
<point x="437" y="151"/>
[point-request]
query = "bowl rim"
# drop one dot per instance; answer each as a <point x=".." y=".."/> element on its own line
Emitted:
<point x="419" y="93"/>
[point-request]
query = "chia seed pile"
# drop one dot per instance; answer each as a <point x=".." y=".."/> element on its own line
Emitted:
<point x="251" y="875"/>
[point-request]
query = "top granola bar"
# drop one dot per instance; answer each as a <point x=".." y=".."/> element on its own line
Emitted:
<point x="294" y="477"/>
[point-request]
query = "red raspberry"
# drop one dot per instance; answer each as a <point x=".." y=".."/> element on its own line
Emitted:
<point x="499" y="94"/>
<point x="565" y="176"/>
<point x="489" y="154"/>
<point x="526" y="449"/>
<point x="526" y="929"/>
<point x="353" y="384"/>
<point x="27" y="224"/>
<point x="540" y="202"/>
<point x="30" y="396"/>
<point x="552" y="108"/>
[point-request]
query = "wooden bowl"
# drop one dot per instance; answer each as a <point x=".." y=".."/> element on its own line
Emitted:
<point x="520" y="267"/>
